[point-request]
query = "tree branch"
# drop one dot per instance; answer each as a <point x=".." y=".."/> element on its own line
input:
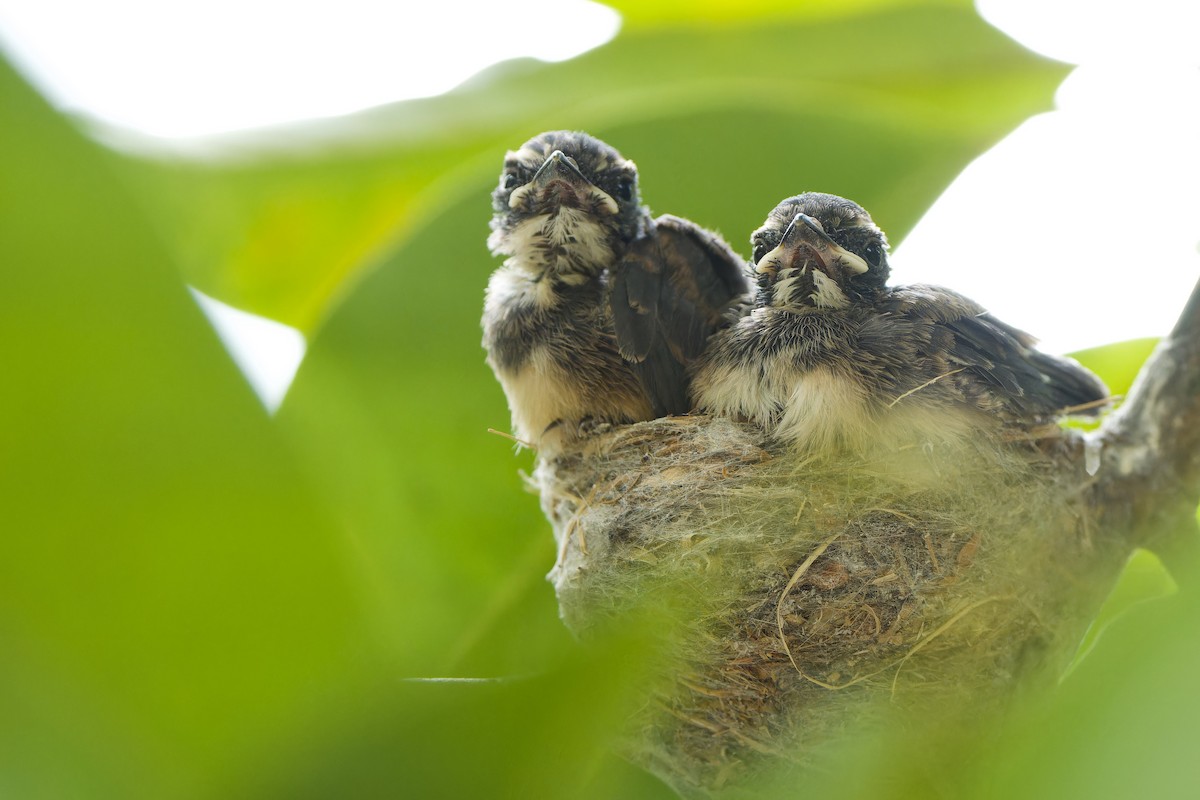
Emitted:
<point x="1150" y="464"/>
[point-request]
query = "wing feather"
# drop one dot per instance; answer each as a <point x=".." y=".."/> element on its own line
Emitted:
<point x="671" y="290"/>
<point x="1034" y="384"/>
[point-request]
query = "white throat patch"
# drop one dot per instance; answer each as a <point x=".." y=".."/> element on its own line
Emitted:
<point x="569" y="241"/>
<point x="781" y="292"/>
<point x="828" y="294"/>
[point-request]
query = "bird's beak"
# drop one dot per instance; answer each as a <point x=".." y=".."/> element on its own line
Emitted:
<point x="769" y="263"/>
<point x="559" y="166"/>
<point x="808" y="233"/>
<point x="560" y="173"/>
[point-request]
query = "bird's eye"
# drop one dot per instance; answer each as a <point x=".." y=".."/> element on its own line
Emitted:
<point x="760" y="250"/>
<point x="625" y="189"/>
<point x="510" y="181"/>
<point x="874" y="253"/>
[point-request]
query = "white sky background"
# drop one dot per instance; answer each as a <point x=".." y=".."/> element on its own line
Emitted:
<point x="1082" y="227"/>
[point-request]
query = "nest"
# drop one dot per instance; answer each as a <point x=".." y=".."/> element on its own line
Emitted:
<point x="792" y="594"/>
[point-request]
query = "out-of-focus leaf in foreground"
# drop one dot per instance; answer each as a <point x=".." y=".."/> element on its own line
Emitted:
<point x="172" y="600"/>
<point x="183" y="610"/>
<point x="1123" y="724"/>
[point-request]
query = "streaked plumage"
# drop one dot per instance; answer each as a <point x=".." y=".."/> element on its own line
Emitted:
<point x="599" y="309"/>
<point x="831" y="357"/>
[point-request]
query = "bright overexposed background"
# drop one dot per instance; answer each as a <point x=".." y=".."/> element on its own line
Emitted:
<point x="1097" y="201"/>
<point x="1082" y="226"/>
<point x="186" y="68"/>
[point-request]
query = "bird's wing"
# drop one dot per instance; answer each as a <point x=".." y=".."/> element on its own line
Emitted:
<point x="1033" y="383"/>
<point x="670" y="291"/>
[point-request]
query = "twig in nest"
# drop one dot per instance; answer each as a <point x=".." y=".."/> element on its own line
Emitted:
<point x="800" y="510"/>
<point x="933" y="559"/>
<point x="511" y="438"/>
<point x="1103" y="401"/>
<point x="875" y="617"/>
<point x="573" y="525"/>
<point x="753" y="743"/>
<point x="796" y="576"/>
<point x="699" y="723"/>
<point x="894" y="513"/>
<point x="929" y="382"/>
<point x="938" y="631"/>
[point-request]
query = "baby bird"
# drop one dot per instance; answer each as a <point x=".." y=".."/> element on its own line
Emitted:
<point x="831" y="358"/>
<point x="599" y="309"/>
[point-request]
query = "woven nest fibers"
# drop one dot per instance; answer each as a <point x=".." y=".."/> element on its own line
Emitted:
<point x="793" y="594"/>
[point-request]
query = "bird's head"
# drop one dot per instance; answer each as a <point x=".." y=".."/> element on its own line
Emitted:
<point x="567" y="203"/>
<point x="819" y="251"/>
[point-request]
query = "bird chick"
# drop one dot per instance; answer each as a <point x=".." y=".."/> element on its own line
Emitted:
<point x="599" y="309"/>
<point x="832" y="358"/>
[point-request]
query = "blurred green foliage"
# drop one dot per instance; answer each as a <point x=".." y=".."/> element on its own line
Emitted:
<point x="199" y="600"/>
<point x="883" y="104"/>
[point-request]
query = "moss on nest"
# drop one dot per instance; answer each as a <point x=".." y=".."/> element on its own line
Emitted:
<point x="792" y="593"/>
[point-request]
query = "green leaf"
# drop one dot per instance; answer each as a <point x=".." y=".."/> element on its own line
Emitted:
<point x="712" y="12"/>
<point x="881" y="101"/>
<point x="1143" y="580"/>
<point x="547" y="735"/>
<point x="1118" y="363"/>
<point x="172" y="599"/>
<point x="196" y="600"/>
<point x="1122" y="725"/>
